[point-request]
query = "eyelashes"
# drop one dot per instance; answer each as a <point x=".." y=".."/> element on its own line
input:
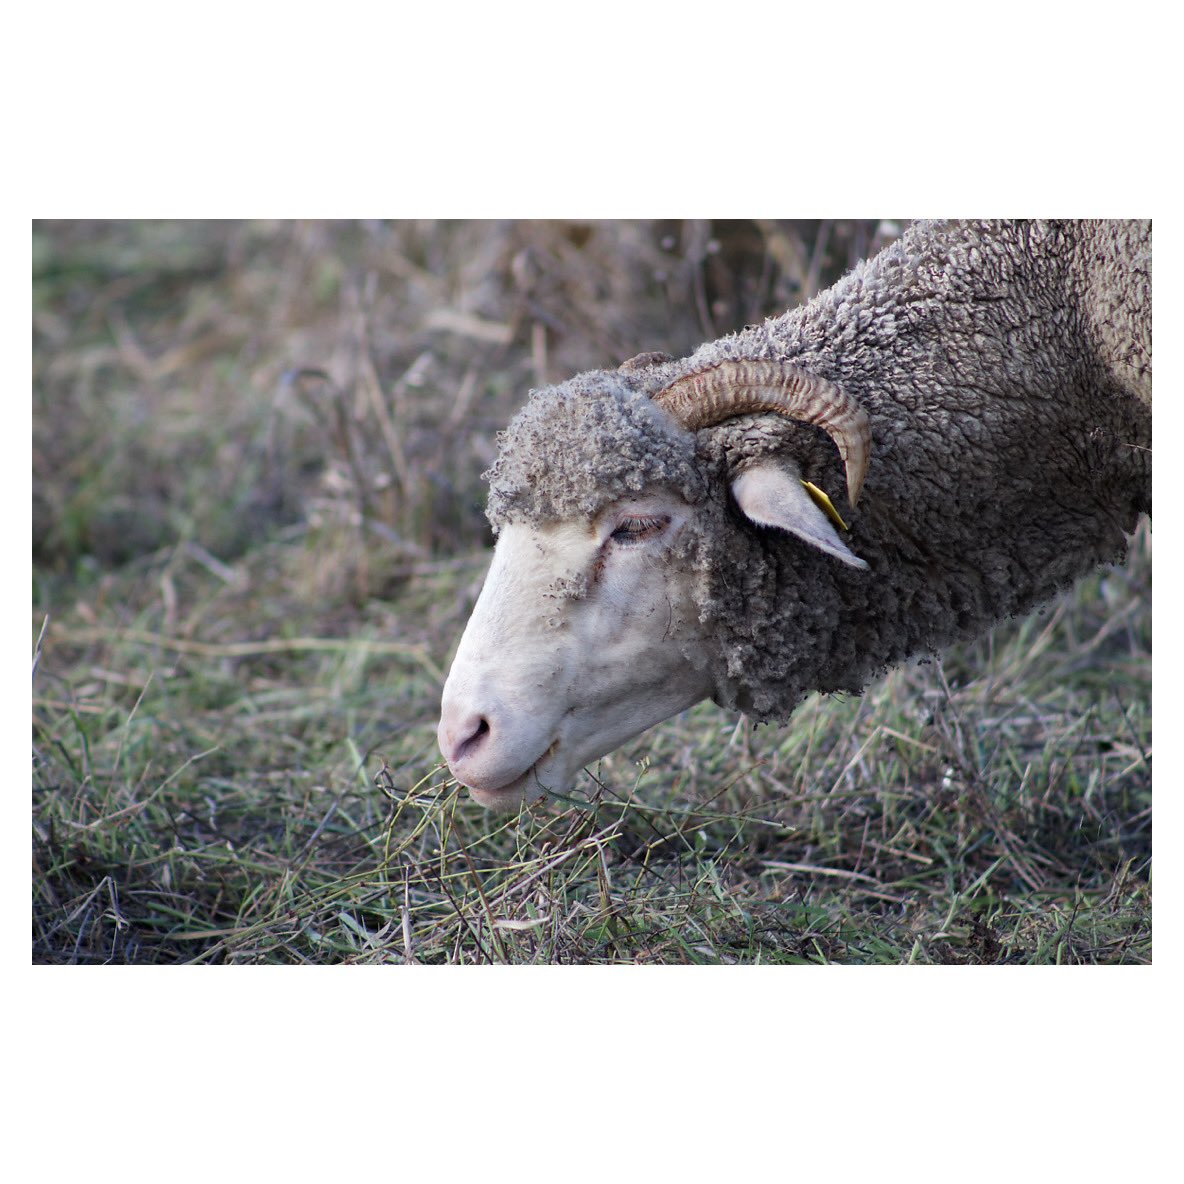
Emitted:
<point x="637" y="529"/>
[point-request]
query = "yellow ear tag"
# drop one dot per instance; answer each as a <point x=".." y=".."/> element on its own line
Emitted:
<point x="825" y="505"/>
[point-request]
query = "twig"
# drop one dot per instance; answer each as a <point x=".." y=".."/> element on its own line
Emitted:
<point x="467" y="325"/>
<point x="37" y="647"/>
<point x="198" y="553"/>
<point x="250" y="649"/>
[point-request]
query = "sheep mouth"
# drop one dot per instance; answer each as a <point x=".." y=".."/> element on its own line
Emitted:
<point x="526" y="787"/>
<point x="504" y="797"/>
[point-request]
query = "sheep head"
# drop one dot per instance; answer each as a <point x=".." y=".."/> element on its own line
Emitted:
<point x="613" y="516"/>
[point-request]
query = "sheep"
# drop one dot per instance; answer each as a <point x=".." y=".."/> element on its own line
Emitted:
<point x="951" y="434"/>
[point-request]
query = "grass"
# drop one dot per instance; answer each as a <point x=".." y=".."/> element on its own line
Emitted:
<point x="258" y="534"/>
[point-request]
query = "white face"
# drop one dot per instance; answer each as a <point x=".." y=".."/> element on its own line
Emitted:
<point x="545" y="682"/>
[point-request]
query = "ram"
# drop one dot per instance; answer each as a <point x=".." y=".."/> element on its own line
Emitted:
<point x="955" y="431"/>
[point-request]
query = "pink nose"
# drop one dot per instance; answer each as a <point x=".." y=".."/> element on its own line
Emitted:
<point x="461" y="735"/>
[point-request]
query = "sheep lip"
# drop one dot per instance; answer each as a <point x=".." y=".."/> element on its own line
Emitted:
<point x="503" y="797"/>
<point x="526" y="787"/>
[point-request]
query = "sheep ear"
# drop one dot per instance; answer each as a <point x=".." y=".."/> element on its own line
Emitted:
<point x="771" y="494"/>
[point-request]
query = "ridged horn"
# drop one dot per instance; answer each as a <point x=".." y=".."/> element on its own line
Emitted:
<point x="729" y="389"/>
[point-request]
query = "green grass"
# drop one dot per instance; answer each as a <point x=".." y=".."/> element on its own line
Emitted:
<point x="253" y="580"/>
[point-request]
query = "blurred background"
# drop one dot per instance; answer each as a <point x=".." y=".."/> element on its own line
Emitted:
<point x="173" y="399"/>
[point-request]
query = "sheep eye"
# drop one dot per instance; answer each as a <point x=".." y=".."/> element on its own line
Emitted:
<point x="634" y="530"/>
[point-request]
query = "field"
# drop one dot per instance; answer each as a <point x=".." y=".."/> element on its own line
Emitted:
<point x="257" y="535"/>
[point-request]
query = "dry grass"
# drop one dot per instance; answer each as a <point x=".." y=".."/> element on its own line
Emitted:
<point x="258" y="533"/>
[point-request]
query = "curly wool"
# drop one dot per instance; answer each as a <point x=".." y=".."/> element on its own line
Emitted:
<point x="1006" y="369"/>
<point x="576" y="447"/>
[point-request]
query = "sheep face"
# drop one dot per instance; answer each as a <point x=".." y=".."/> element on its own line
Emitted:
<point x="616" y="508"/>
<point x="589" y="631"/>
<point x="581" y="638"/>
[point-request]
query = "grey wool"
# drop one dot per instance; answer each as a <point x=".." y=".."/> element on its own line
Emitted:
<point x="1006" y="371"/>
<point x="590" y="441"/>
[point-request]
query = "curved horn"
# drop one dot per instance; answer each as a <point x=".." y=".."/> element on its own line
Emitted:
<point x="728" y="389"/>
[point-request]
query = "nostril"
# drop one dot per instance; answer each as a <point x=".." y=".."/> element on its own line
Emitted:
<point x="461" y="738"/>
<point x="475" y="740"/>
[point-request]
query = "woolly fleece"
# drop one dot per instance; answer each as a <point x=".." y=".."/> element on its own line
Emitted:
<point x="1006" y="368"/>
